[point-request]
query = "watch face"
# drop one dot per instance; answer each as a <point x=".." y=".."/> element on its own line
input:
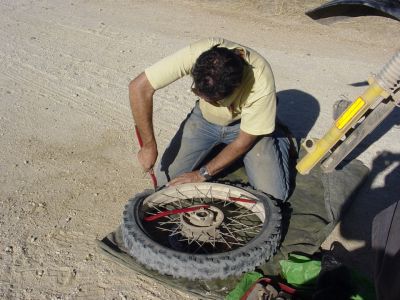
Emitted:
<point x="204" y="172"/>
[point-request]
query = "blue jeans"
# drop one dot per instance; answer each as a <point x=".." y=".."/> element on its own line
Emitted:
<point x="266" y="163"/>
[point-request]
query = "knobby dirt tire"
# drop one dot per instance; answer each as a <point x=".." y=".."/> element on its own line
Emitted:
<point x="179" y="264"/>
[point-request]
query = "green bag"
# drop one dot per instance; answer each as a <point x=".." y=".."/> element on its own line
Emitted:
<point x="244" y="284"/>
<point x="300" y="270"/>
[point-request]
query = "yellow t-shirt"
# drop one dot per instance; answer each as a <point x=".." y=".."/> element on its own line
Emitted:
<point x="254" y="101"/>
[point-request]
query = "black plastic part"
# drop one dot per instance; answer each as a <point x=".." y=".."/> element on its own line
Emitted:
<point x="353" y="8"/>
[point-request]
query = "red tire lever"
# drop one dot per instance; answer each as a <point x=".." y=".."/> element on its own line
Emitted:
<point x="245" y="200"/>
<point x="174" y="212"/>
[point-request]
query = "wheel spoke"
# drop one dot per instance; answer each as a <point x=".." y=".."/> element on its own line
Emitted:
<point x="180" y="193"/>
<point x="230" y="233"/>
<point x="200" y="192"/>
<point x="232" y="243"/>
<point x="226" y="242"/>
<point x="164" y="229"/>
<point x="174" y="222"/>
<point x="244" y="215"/>
<point x="237" y="222"/>
<point x="200" y="247"/>
<point x="246" y="229"/>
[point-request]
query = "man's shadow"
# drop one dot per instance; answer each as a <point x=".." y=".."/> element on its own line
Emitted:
<point x="297" y="110"/>
<point x="357" y="222"/>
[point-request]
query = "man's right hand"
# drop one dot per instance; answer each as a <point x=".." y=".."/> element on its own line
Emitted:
<point x="147" y="157"/>
<point x="141" y="100"/>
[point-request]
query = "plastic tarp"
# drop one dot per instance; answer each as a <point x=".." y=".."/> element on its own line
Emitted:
<point x="313" y="210"/>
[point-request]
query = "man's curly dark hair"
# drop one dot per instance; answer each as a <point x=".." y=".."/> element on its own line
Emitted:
<point x="217" y="72"/>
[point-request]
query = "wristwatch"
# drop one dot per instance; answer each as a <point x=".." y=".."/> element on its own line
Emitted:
<point x="204" y="172"/>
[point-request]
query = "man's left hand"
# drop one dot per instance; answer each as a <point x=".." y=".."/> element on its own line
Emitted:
<point x="190" y="177"/>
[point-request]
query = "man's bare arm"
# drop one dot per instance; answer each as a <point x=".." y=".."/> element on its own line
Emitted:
<point x="141" y="99"/>
<point x="226" y="157"/>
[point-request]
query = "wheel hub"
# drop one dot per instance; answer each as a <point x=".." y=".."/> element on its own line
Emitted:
<point x="202" y="224"/>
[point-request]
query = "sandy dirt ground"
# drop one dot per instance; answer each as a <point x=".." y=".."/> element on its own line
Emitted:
<point x="67" y="156"/>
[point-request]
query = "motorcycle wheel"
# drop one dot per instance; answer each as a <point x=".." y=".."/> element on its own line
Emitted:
<point x="202" y="230"/>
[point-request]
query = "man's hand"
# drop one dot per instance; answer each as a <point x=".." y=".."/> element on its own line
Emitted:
<point x="228" y="155"/>
<point x="190" y="177"/>
<point x="147" y="157"/>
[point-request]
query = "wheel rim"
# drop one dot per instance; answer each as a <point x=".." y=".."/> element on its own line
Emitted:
<point x="202" y="218"/>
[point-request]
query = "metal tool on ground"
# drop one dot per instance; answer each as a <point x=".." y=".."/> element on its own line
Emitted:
<point x="357" y="121"/>
<point x="151" y="172"/>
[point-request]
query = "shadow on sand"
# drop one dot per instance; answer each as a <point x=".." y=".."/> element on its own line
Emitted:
<point x="371" y="220"/>
<point x="298" y="111"/>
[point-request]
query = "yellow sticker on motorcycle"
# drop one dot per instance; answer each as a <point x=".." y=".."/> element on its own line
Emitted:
<point x="349" y="113"/>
